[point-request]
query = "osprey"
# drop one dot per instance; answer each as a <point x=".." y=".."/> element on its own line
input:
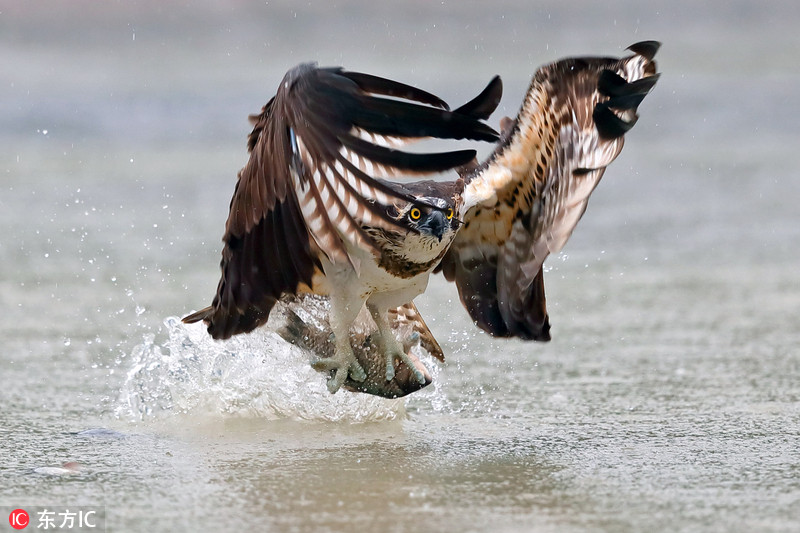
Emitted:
<point x="313" y="212"/>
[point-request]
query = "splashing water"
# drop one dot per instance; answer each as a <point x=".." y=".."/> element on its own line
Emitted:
<point x="258" y="375"/>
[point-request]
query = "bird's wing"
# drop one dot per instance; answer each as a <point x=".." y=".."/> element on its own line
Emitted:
<point x="310" y="182"/>
<point x="524" y="202"/>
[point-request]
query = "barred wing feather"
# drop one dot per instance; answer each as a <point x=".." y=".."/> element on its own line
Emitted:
<point x="524" y="202"/>
<point x="317" y="152"/>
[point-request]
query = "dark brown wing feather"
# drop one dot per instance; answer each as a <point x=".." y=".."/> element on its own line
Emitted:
<point x="483" y="105"/>
<point x="524" y="202"/>
<point x="316" y="152"/>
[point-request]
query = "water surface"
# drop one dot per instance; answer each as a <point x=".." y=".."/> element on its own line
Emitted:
<point x="667" y="400"/>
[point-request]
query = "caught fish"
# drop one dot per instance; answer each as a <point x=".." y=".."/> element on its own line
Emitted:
<point x="303" y="321"/>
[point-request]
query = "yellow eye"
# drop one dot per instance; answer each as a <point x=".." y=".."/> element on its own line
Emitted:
<point x="449" y="214"/>
<point x="415" y="214"/>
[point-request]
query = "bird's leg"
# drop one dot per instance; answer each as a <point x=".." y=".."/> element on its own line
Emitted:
<point x="343" y="360"/>
<point x="389" y="345"/>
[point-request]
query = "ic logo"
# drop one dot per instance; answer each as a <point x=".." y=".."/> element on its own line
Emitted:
<point x="18" y="519"/>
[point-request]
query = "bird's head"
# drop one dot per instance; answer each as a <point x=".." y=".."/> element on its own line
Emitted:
<point x="431" y="218"/>
<point x="432" y="226"/>
<point x="426" y="223"/>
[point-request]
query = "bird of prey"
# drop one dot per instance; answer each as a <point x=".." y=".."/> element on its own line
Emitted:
<point x="314" y="210"/>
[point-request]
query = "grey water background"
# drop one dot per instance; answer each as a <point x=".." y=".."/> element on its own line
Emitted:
<point x="668" y="399"/>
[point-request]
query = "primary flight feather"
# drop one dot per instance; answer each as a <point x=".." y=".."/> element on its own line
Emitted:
<point x="317" y="208"/>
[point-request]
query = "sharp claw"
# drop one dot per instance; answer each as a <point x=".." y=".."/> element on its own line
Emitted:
<point x="389" y="369"/>
<point x="419" y="375"/>
<point x="357" y="372"/>
<point x="336" y="381"/>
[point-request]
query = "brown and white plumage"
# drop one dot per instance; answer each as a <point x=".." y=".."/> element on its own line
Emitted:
<point x="292" y="205"/>
<point x="524" y="202"/>
<point x="313" y="211"/>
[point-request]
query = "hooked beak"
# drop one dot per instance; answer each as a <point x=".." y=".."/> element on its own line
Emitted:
<point x="435" y="225"/>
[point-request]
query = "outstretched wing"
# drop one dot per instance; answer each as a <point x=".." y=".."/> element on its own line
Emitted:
<point x="524" y="202"/>
<point x="310" y="182"/>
